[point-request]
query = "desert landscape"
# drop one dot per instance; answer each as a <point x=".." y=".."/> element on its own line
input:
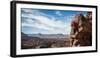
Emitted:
<point x="44" y="41"/>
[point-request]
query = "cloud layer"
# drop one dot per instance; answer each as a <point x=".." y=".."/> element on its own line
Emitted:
<point x="40" y="22"/>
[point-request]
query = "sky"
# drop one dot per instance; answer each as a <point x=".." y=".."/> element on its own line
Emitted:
<point x="46" y="21"/>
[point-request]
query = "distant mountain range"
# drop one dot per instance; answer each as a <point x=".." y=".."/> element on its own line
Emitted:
<point x="43" y="36"/>
<point x="58" y="36"/>
<point x="25" y="36"/>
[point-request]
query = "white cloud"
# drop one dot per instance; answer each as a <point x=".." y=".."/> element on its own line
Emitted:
<point x="58" y="13"/>
<point x="44" y="22"/>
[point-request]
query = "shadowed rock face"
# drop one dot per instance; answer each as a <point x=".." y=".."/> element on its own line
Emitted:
<point x="83" y="35"/>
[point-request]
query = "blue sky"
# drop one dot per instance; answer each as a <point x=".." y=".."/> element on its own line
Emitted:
<point x="46" y="21"/>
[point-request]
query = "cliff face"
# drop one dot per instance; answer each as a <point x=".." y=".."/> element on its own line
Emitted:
<point x="83" y="35"/>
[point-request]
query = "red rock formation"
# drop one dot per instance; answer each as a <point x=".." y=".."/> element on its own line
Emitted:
<point x="81" y="33"/>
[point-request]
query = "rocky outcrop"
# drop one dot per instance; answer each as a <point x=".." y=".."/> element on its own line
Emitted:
<point x="81" y="33"/>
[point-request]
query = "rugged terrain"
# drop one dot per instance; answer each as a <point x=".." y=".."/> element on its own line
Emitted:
<point x="43" y="41"/>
